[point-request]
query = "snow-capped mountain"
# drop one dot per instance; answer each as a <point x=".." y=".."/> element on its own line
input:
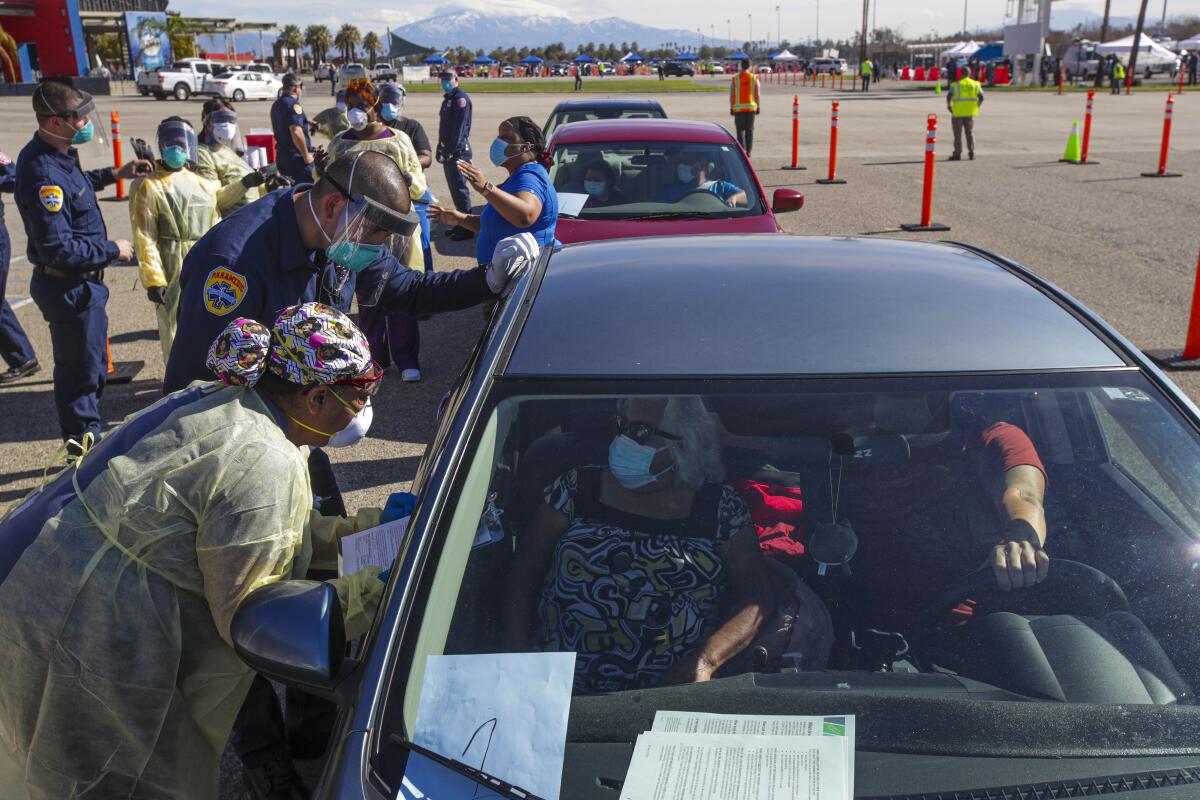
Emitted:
<point x="475" y="29"/>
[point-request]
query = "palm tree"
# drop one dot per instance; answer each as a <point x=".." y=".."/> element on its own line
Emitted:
<point x="347" y="40"/>
<point x="292" y="40"/>
<point x="319" y="40"/>
<point x="372" y="45"/>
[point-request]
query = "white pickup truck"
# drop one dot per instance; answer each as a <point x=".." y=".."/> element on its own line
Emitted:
<point x="181" y="80"/>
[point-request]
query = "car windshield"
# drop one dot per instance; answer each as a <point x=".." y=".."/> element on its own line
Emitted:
<point x="756" y="547"/>
<point x="589" y="114"/>
<point x="656" y="180"/>
<point x="225" y="76"/>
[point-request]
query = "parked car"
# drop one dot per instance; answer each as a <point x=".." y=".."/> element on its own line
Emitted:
<point x="244" y="85"/>
<point x="675" y="69"/>
<point x="508" y="71"/>
<point x="323" y="72"/>
<point x="601" y="108"/>
<point x="183" y="79"/>
<point x="261" y="68"/>
<point x="716" y="69"/>
<point x="350" y="71"/>
<point x="463" y="70"/>
<point x="560" y="70"/>
<point x="764" y="69"/>
<point x="830" y="66"/>
<point x="643" y="155"/>
<point x="863" y="373"/>
<point x="383" y="72"/>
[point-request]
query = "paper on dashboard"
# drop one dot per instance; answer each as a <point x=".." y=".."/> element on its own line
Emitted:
<point x="571" y="203"/>
<point x="763" y="725"/>
<point x="504" y="714"/>
<point x="374" y="547"/>
<point x="743" y="767"/>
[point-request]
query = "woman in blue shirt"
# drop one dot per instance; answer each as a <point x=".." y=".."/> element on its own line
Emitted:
<point x="525" y="203"/>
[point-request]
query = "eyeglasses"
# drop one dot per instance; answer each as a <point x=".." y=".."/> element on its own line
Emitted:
<point x="368" y="383"/>
<point x="641" y="431"/>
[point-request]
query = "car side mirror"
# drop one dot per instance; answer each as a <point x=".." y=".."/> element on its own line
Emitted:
<point x="292" y="631"/>
<point x="787" y="200"/>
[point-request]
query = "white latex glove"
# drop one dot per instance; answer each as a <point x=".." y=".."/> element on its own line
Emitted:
<point x="511" y="258"/>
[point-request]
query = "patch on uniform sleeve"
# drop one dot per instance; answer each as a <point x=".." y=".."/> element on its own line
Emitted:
<point x="4" y="159"/>
<point x="51" y="197"/>
<point x="462" y="102"/>
<point x="223" y="291"/>
<point x="296" y="109"/>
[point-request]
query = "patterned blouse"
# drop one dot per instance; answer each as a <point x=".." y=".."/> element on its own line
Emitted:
<point x="631" y="594"/>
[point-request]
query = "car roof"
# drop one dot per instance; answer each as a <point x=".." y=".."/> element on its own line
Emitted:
<point x="641" y="130"/>
<point x="775" y="304"/>
<point x="607" y="102"/>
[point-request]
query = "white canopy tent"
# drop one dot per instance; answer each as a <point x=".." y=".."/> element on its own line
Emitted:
<point x="1145" y="45"/>
<point x="962" y="50"/>
<point x="785" y="55"/>
<point x="1191" y="44"/>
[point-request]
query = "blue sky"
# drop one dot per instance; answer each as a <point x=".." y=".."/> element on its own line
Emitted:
<point x="838" y="18"/>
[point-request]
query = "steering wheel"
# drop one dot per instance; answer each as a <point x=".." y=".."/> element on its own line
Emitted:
<point x="707" y="192"/>
<point x="1065" y="579"/>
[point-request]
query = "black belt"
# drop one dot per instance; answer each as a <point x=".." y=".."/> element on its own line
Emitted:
<point x="69" y="274"/>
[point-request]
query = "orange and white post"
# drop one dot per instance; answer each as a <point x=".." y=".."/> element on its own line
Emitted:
<point x="926" y="223"/>
<point x="116" y="141"/>
<point x="1166" y="144"/>
<point x="795" y="134"/>
<point x="833" y="139"/>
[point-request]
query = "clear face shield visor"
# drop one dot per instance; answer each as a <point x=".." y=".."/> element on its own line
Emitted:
<point x="222" y="128"/>
<point x="371" y="243"/>
<point x="177" y="144"/>
<point x="99" y="141"/>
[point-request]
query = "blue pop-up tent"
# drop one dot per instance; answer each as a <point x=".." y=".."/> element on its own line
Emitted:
<point x="738" y="56"/>
<point x="584" y="58"/>
<point x="530" y="59"/>
<point x="483" y="60"/>
<point x="687" y="57"/>
<point x="435" y="60"/>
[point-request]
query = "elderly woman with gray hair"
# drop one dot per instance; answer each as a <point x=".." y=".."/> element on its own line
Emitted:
<point x="648" y="568"/>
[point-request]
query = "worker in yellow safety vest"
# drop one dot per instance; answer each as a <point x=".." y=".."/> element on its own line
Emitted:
<point x="1118" y="75"/>
<point x="868" y="71"/>
<point x="744" y="104"/>
<point x="963" y="100"/>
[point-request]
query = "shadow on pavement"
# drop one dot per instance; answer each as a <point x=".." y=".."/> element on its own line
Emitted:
<point x="134" y="336"/>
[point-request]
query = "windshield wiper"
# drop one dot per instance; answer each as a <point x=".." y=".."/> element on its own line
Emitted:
<point x="497" y="785"/>
<point x="671" y="215"/>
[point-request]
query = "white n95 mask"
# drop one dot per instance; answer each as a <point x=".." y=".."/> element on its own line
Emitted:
<point x="354" y="433"/>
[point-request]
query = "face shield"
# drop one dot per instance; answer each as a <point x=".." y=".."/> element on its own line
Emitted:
<point x="367" y="233"/>
<point x="391" y="102"/>
<point x="177" y="144"/>
<point x="91" y="133"/>
<point x="223" y="129"/>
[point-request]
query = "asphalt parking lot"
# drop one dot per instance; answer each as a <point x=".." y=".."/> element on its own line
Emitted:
<point x="1124" y="245"/>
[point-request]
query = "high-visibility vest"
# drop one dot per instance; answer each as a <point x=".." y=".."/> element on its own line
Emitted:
<point x="1118" y="70"/>
<point x="867" y="68"/>
<point x="965" y="96"/>
<point x="744" y="84"/>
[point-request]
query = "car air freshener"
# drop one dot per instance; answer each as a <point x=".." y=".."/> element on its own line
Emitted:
<point x="833" y="543"/>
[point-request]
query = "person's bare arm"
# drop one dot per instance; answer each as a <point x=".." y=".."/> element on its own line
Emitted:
<point x="521" y="209"/>
<point x="754" y="599"/>
<point x="425" y="157"/>
<point x="535" y="551"/>
<point x="1020" y="562"/>
<point x="452" y="216"/>
<point x="301" y="145"/>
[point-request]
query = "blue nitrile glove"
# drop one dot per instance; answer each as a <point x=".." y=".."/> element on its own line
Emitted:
<point x="398" y="506"/>
<point x="383" y="576"/>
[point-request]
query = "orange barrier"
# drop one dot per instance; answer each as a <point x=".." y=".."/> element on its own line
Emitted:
<point x="927" y="193"/>
<point x="1087" y="129"/>
<point x="1189" y="357"/>
<point x="795" y="134"/>
<point x="1166" y="143"/>
<point x="833" y="137"/>
<point x="116" y="142"/>
<point x="1060" y="81"/>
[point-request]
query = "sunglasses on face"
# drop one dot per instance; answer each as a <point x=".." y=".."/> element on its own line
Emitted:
<point x="641" y="431"/>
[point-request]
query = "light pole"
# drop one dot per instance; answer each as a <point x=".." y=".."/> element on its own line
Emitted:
<point x="729" y="26"/>
<point x="817" y="35"/>
<point x="779" y="27"/>
<point x="750" y="29"/>
<point x="964" y="19"/>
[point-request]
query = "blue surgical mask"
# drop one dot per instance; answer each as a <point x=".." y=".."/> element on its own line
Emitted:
<point x="84" y="134"/>
<point x="685" y="173"/>
<point x="174" y="157"/>
<point x="496" y="152"/>
<point x="447" y="87"/>
<point x="593" y="187"/>
<point x="389" y="111"/>
<point x="629" y="462"/>
<point x="341" y="107"/>
<point x="354" y="256"/>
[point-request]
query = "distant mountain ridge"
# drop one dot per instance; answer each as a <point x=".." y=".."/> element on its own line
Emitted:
<point x="475" y="29"/>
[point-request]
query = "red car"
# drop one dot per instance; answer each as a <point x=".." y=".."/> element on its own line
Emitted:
<point x="655" y="177"/>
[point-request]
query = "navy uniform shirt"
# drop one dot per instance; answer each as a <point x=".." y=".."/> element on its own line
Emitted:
<point x="286" y="112"/>
<point x="8" y="182"/>
<point x="57" y="201"/>
<point x="454" y="126"/>
<point x="252" y="264"/>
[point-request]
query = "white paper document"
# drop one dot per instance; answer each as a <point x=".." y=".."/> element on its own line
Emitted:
<point x="692" y="765"/>
<point x="571" y="203"/>
<point x="374" y="547"/>
<point x="764" y="725"/>
<point x="503" y="714"/>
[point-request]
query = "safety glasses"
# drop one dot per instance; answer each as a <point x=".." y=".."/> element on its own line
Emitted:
<point x="641" y="431"/>
<point x="368" y="382"/>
